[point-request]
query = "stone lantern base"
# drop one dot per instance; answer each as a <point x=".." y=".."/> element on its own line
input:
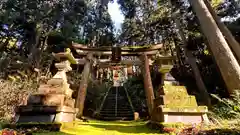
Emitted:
<point x="52" y="103"/>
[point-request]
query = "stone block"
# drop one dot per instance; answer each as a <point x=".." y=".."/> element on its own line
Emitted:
<point x="175" y="90"/>
<point x="35" y="118"/>
<point x="54" y="99"/>
<point x="197" y="109"/>
<point x="43" y="109"/>
<point x="45" y="114"/>
<point x="51" y="100"/>
<point x="56" y="81"/>
<point x="63" y="66"/>
<point x="69" y="102"/>
<point x="50" y="89"/>
<point x="34" y="99"/>
<point x="183" y="115"/>
<point x="55" y="89"/>
<point x="66" y="109"/>
<point x="136" y="116"/>
<point x="171" y="101"/>
<point x="183" y="118"/>
<point x="175" y="105"/>
<point x="36" y="109"/>
<point x="65" y="117"/>
<point x="180" y="101"/>
<point x="68" y="92"/>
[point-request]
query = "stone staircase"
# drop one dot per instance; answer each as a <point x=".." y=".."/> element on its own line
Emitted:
<point x="116" y="105"/>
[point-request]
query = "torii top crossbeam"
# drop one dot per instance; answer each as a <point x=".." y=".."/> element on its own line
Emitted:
<point x="82" y="50"/>
<point x="108" y="51"/>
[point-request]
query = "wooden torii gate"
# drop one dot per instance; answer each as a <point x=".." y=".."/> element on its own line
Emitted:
<point x="112" y="55"/>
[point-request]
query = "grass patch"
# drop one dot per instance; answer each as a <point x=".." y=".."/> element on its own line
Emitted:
<point x="94" y="127"/>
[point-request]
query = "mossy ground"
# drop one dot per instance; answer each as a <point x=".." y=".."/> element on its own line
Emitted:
<point x="94" y="127"/>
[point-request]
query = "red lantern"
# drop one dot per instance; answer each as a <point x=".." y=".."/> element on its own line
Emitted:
<point x="116" y="74"/>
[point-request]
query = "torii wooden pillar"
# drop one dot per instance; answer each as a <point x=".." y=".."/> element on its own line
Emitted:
<point x="82" y="92"/>
<point x="148" y="84"/>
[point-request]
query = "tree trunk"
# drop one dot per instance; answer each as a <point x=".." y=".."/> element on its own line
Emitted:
<point x="225" y="31"/>
<point x="148" y="84"/>
<point x="34" y="51"/>
<point x="225" y="59"/>
<point x="191" y="60"/>
<point x="82" y="92"/>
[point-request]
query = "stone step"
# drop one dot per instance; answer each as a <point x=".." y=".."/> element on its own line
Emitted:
<point x="112" y="110"/>
<point x="116" y="118"/>
<point x="115" y="115"/>
<point x="118" y="114"/>
<point x="124" y="110"/>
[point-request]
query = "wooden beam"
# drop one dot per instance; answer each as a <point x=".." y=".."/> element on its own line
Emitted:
<point x="124" y="48"/>
<point x="109" y="53"/>
<point x="109" y="62"/>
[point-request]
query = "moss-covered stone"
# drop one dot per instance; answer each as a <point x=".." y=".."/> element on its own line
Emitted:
<point x="175" y="105"/>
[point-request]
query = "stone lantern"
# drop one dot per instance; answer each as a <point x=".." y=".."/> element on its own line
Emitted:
<point x="174" y="104"/>
<point x="53" y="101"/>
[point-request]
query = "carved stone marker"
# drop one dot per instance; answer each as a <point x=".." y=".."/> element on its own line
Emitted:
<point x="53" y="102"/>
<point x="175" y="105"/>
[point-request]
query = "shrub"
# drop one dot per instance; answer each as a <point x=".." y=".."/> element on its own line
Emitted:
<point x="13" y="94"/>
<point x="227" y="108"/>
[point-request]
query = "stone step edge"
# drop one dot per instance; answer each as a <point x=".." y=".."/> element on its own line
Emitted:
<point x="198" y="109"/>
<point x="44" y="109"/>
<point x="46" y="94"/>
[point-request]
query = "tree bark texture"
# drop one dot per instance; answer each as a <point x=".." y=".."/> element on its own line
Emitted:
<point x="222" y="53"/>
<point x="191" y="60"/>
<point x="148" y="84"/>
<point x="232" y="42"/>
<point x="82" y="92"/>
<point x="35" y="50"/>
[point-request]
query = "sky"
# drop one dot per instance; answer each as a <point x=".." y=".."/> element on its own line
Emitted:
<point x="116" y="15"/>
